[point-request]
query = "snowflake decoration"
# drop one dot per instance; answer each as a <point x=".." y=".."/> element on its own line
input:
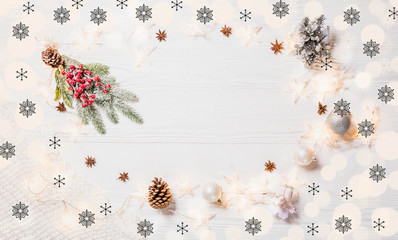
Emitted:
<point x="245" y="15"/>
<point x="7" y="150"/>
<point x="204" y="15"/>
<point x="313" y="189"/>
<point x="77" y="3"/>
<point x="98" y="16"/>
<point x="27" y="108"/>
<point x="28" y="8"/>
<point x="253" y="226"/>
<point x="280" y="9"/>
<point x="121" y="3"/>
<point x="379" y="224"/>
<point x="61" y="15"/>
<point x="59" y="181"/>
<point x="313" y="229"/>
<point x="145" y="228"/>
<point x="20" y="31"/>
<point x="346" y="193"/>
<point x="386" y="94"/>
<point x="20" y="210"/>
<point x="326" y="63"/>
<point x="105" y="209"/>
<point x="351" y="16"/>
<point x="371" y="48"/>
<point x="55" y="142"/>
<point x="182" y="228"/>
<point x="365" y="128"/>
<point x="86" y="218"/>
<point x="21" y="74"/>
<point x="143" y="13"/>
<point x="393" y="12"/>
<point x="343" y="224"/>
<point x="176" y="4"/>
<point x="342" y="107"/>
<point x="377" y="173"/>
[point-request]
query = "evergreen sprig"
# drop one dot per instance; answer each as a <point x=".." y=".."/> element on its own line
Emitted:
<point x="115" y="101"/>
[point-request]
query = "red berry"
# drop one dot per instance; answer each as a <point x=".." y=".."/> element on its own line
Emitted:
<point x="72" y="67"/>
<point x="83" y="95"/>
<point x="76" y="95"/>
<point x="97" y="84"/>
<point x="86" y="85"/>
<point x="72" y="82"/>
<point x="84" y="105"/>
<point x="109" y="86"/>
<point x="90" y="101"/>
<point x="70" y="88"/>
<point x="105" y="91"/>
<point x="89" y="72"/>
<point x="69" y="75"/>
<point x="85" y="100"/>
<point x="80" y="66"/>
<point x="96" y="78"/>
<point x="92" y="96"/>
<point x="89" y="80"/>
<point x="80" y="71"/>
<point x="79" y="75"/>
<point x="63" y="72"/>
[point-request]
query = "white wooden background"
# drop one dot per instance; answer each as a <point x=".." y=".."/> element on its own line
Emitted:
<point x="213" y="107"/>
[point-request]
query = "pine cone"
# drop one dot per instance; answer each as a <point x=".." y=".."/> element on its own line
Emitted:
<point x="52" y="58"/>
<point x="159" y="194"/>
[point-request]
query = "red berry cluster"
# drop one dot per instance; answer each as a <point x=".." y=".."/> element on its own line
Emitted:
<point x="80" y="80"/>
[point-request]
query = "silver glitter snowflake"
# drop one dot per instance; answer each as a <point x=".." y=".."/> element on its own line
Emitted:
<point x="377" y="173"/>
<point x="351" y="16"/>
<point x="204" y="15"/>
<point x="280" y="9"/>
<point x="86" y="218"/>
<point x="27" y="108"/>
<point x="343" y="224"/>
<point x="7" y="150"/>
<point x="371" y="48"/>
<point x="98" y="16"/>
<point x="20" y="31"/>
<point x="393" y="12"/>
<point x="20" y="210"/>
<point x="77" y="3"/>
<point x="342" y="107"/>
<point x="61" y="15"/>
<point x="28" y="8"/>
<point x="143" y="13"/>
<point x="253" y="226"/>
<point x="176" y="4"/>
<point x="121" y="3"/>
<point x="386" y="94"/>
<point x="145" y="228"/>
<point x="365" y="128"/>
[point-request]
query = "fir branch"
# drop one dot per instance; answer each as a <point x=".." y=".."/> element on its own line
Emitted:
<point x="128" y="112"/>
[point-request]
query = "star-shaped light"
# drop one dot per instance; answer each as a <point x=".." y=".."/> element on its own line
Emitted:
<point x="297" y="89"/>
<point x="195" y="30"/>
<point x="185" y="186"/>
<point x="250" y="34"/>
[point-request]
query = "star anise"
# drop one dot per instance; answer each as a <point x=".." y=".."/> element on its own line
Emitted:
<point x="270" y="166"/>
<point x="123" y="176"/>
<point x="321" y="108"/>
<point x="61" y="107"/>
<point x="277" y="47"/>
<point x="90" y="161"/>
<point x="226" y="31"/>
<point x="161" y="36"/>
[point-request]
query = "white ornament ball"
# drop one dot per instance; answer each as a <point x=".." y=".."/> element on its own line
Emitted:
<point x="212" y="192"/>
<point x="338" y="124"/>
<point x="304" y="156"/>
